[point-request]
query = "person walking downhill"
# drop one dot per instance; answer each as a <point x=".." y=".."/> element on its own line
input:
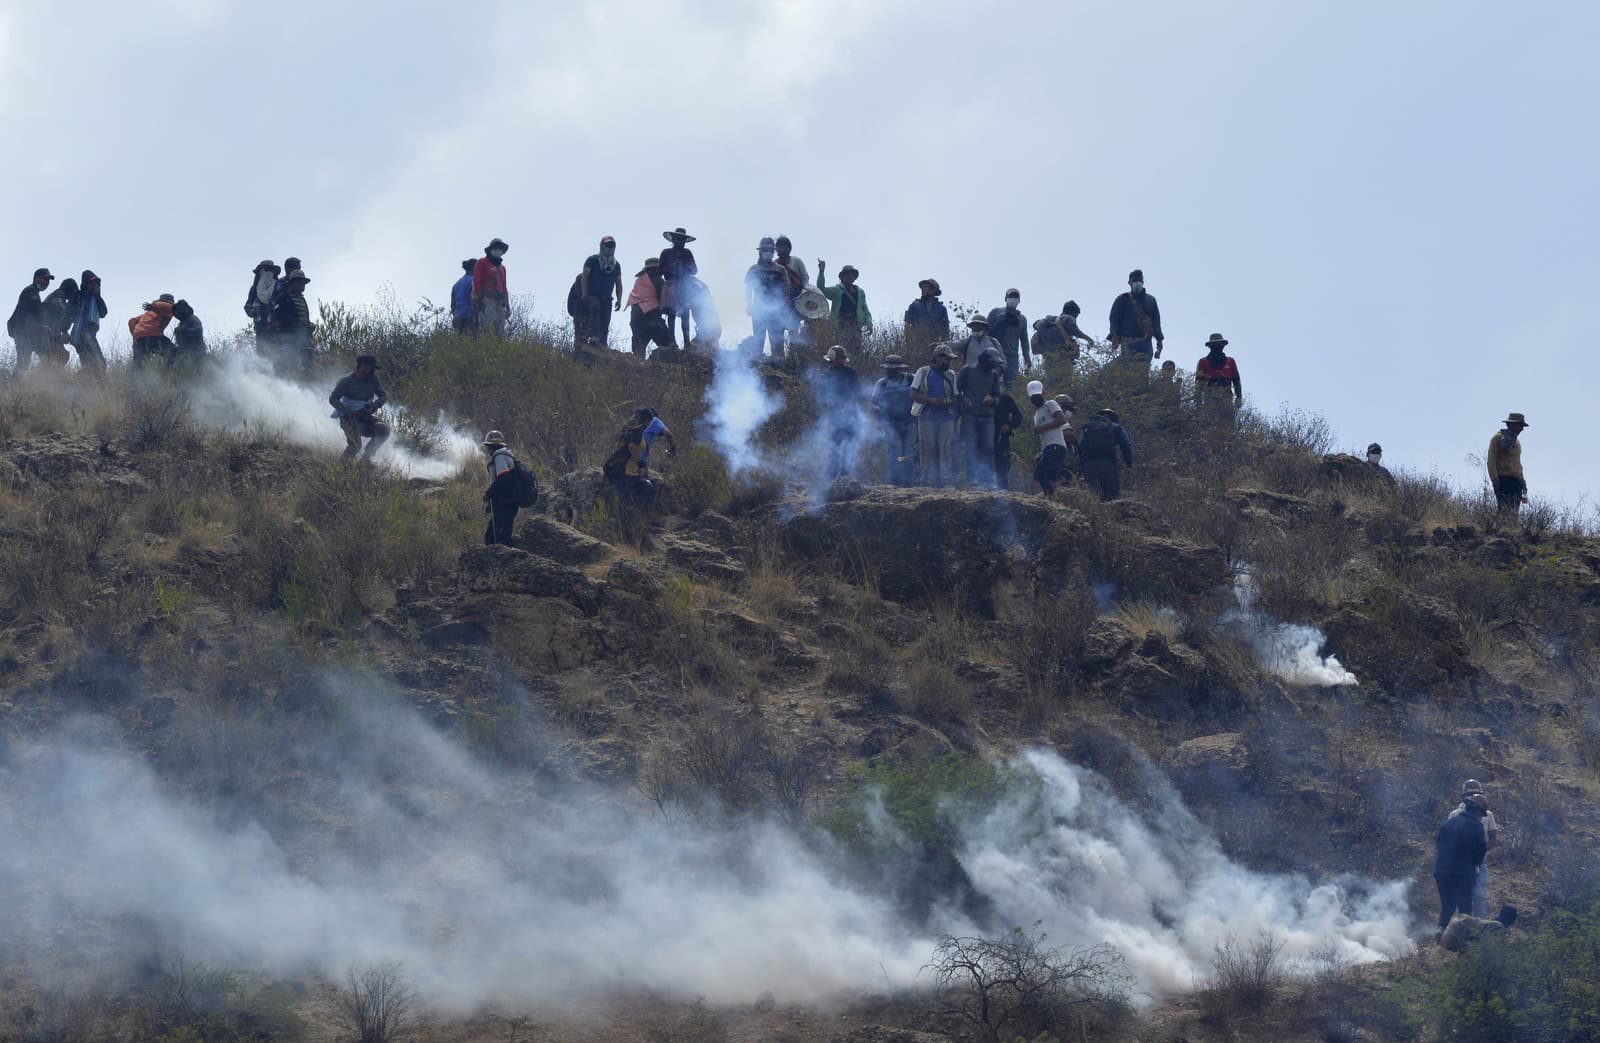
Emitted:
<point x="26" y="326"/>
<point x="491" y="301"/>
<point x="1459" y="848"/>
<point x="462" y="317"/>
<point x="85" y="334"/>
<point x="1050" y="424"/>
<point x="978" y="386"/>
<point x="1136" y="323"/>
<point x="927" y="321"/>
<point x="1103" y="439"/>
<point x="934" y="402"/>
<point x="838" y="398"/>
<point x="600" y="282"/>
<point x="1472" y="792"/>
<point x="1505" y="466"/>
<point x="891" y="399"/>
<point x="356" y="399"/>
<point x="678" y="269"/>
<point x="149" y="329"/>
<point x="847" y="304"/>
<point x="1009" y="327"/>
<point x="499" y="500"/>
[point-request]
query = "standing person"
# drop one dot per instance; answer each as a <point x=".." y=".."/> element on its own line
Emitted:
<point x="189" y="337"/>
<point x="767" y="300"/>
<point x="356" y="399"/>
<point x="60" y="308"/>
<point x="149" y="330"/>
<point x="1007" y="421"/>
<point x="1472" y="792"/>
<point x="1099" y="445"/>
<point x="978" y="387"/>
<point x="462" y="318"/>
<point x="678" y="269"/>
<point x="600" y="282"/>
<point x="838" y="399"/>
<point x="891" y="399"/>
<point x="292" y="326"/>
<point x="1136" y="322"/>
<point x="258" y="300"/>
<point x="1459" y="848"/>
<point x="1215" y="374"/>
<point x="1056" y="338"/>
<point x="1505" y="466"/>
<point x="847" y="303"/>
<point x="26" y="326"/>
<point x="1009" y="327"/>
<point x="85" y="335"/>
<point x="491" y="301"/>
<point x="796" y="279"/>
<point x="927" y="321"/>
<point x="1051" y="425"/>
<point x="977" y="342"/>
<point x="499" y="500"/>
<point x="644" y="309"/>
<point x="933" y="393"/>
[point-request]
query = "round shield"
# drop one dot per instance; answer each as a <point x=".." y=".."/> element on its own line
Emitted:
<point x="811" y="304"/>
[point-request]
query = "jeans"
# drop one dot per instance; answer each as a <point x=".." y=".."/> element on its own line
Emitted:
<point x="1013" y="364"/>
<point x="1455" y="895"/>
<point x="1103" y="476"/>
<point x="977" y="432"/>
<point x="1047" y="471"/>
<point x="768" y="329"/>
<point x="900" y="442"/>
<point x="1139" y="352"/>
<point x="90" y="359"/>
<point x="936" y="440"/>
<point x="1480" y="893"/>
<point x="502" y="522"/>
<point x="841" y="449"/>
<point x="492" y="315"/>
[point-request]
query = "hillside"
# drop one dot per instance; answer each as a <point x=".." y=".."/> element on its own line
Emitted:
<point x="268" y="717"/>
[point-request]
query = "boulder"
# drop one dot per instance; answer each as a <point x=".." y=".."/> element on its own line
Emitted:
<point x="700" y="559"/>
<point x="541" y="635"/>
<point x="1107" y="642"/>
<point x="1225" y="755"/>
<point x="508" y="570"/>
<point x="1190" y="567"/>
<point x="542" y="535"/>
<point x="574" y="497"/>
<point x="1278" y="505"/>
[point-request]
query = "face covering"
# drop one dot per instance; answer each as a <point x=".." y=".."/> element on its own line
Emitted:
<point x="1136" y="287"/>
<point x="1373" y="458"/>
<point x="608" y="252"/>
<point x="1012" y="302"/>
<point x="765" y="255"/>
<point x="497" y="254"/>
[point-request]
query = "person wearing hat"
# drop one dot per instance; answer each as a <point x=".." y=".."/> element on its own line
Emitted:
<point x="600" y="290"/>
<point x="891" y="400"/>
<point x="1051" y="424"/>
<point x="847" y="303"/>
<point x="258" y="299"/>
<point x="1375" y="461"/>
<point x="1056" y="338"/>
<point x="1459" y="847"/>
<point x="292" y="326"/>
<point x="356" y="399"/>
<point x="85" y="332"/>
<point x="976" y="343"/>
<point x="1472" y="791"/>
<point x="499" y="500"/>
<point x="1102" y="442"/>
<point x="1009" y="327"/>
<point x="26" y="326"/>
<point x="839" y="402"/>
<point x="934" y="402"/>
<point x="767" y="300"/>
<point x="644" y="309"/>
<point x="189" y="338"/>
<point x="148" y="329"/>
<point x="1136" y="322"/>
<point x="927" y="321"/>
<point x="1216" y="372"/>
<point x="678" y="272"/>
<point x="491" y="301"/>
<point x="1505" y="465"/>
<point x="462" y="317"/>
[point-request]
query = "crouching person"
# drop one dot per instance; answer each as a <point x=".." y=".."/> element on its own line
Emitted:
<point x="628" y="466"/>
<point x="356" y="400"/>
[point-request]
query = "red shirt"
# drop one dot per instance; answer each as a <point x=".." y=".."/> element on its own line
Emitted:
<point x="488" y="277"/>
<point x="1217" y="376"/>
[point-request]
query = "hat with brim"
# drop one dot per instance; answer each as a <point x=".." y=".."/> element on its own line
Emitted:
<point x="1216" y="340"/>
<point x="945" y="351"/>
<point x="297" y="274"/>
<point x="894" y="362"/>
<point x="268" y="265"/>
<point x="1517" y="419"/>
<point x="42" y="273"/>
<point x="168" y="298"/>
<point x="978" y="320"/>
<point x="931" y="285"/>
<point x="848" y="269"/>
<point x="677" y="235"/>
<point x="496" y="244"/>
<point x="1470" y="787"/>
<point x="494" y="438"/>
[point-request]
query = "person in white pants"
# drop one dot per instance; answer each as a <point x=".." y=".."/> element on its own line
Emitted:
<point x="1472" y="790"/>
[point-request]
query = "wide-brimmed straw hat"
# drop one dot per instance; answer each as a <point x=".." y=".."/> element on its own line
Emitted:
<point x="676" y="235"/>
<point x="1216" y="340"/>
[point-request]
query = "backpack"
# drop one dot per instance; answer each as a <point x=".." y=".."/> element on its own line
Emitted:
<point x="524" y="486"/>
<point x="575" y="297"/>
<point x="1098" y="441"/>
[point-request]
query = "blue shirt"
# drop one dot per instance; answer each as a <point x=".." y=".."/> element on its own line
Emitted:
<point x="651" y="432"/>
<point x="461" y="298"/>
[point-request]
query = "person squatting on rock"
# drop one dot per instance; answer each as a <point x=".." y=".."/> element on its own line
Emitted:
<point x="891" y="400"/>
<point x="978" y="387"/>
<point x="1050" y="423"/>
<point x="1100" y="445"/>
<point x="1505" y="466"/>
<point x="934" y="402"/>
<point x="356" y="399"/>
<point x="1459" y="848"/>
<point x="491" y="302"/>
<point x="628" y="466"/>
<point x="838" y="399"/>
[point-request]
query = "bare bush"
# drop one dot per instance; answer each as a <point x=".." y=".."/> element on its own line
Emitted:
<point x="1245" y="976"/>
<point x="698" y="1024"/>
<point x="378" y="1005"/>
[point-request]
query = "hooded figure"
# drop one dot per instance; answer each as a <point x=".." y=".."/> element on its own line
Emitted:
<point x="189" y="337"/>
<point x="85" y="333"/>
<point x="461" y="313"/>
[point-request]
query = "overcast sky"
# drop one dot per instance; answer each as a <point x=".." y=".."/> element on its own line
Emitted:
<point x="1385" y="206"/>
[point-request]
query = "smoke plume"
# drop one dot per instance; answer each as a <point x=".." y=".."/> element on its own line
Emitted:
<point x="1289" y="651"/>
<point x="737" y="404"/>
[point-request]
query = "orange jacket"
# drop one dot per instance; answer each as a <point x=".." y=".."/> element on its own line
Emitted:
<point x="152" y="322"/>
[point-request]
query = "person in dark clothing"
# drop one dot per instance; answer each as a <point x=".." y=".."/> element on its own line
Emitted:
<point x="462" y="317"/>
<point x="189" y="337"/>
<point x="1102" y="440"/>
<point x="1459" y="848"/>
<point x="628" y="466"/>
<point x="978" y="386"/>
<point x="27" y="326"/>
<point x="600" y="281"/>
<point x="499" y="500"/>
<point x="767" y="301"/>
<point x="1010" y="327"/>
<point x="1007" y="421"/>
<point x="891" y="399"/>
<point x="927" y="321"/>
<point x="85" y="333"/>
<point x="838" y="399"/>
<point x="356" y="399"/>
<point x="1056" y="338"/>
<point x="292" y="325"/>
<point x="678" y="270"/>
<point x="258" y="300"/>
<point x="1136" y="322"/>
<point x="60" y="308"/>
<point x="1215" y="374"/>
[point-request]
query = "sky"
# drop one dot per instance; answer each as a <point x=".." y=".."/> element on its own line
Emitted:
<point x="1386" y="207"/>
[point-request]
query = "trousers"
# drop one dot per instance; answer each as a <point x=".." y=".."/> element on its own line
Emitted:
<point x="1103" y="476"/>
<point x="502" y="522"/>
<point x="936" y="439"/>
<point x="900" y="443"/>
<point x="1455" y="895"/>
<point x="977" y="435"/>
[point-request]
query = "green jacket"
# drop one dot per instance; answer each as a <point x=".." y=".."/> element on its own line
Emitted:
<point x="836" y="291"/>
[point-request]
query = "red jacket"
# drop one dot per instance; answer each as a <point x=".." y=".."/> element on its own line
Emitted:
<point x="152" y="322"/>
<point x="1227" y="373"/>
<point x="488" y="278"/>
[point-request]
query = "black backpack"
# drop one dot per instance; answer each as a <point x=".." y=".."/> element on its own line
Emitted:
<point x="524" y="486"/>
<point x="1098" y="441"/>
<point x="575" y="297"/>
<point x="616" y="465"/>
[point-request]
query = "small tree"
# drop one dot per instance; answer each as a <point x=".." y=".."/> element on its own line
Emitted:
<point x="378" y="1005"/>
<point x="1017" y="984"/>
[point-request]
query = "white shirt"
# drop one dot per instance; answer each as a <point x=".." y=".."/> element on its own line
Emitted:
<point x="1051" y="410"/>
<point x="500" y="462"/>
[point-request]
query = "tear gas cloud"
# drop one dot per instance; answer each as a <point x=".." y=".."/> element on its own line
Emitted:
<point x="1289" y="651"/>
<point x="498" y="886"/>
<point x="737" y="404"/>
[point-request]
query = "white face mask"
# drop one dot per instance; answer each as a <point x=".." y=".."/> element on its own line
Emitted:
<point x="765" y="255"/>
<point x="497" y="254"/>
<point x="1012" y="302"/>
<point x="1373" y="458"/>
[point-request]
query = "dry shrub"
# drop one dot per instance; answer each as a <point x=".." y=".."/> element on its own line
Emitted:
<point x="377" y="1004"/>
<point x="1245" y="976"/>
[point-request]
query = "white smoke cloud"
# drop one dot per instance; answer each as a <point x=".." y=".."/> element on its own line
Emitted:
<point x="737" y="404"/>
<point x="1289" y="651"/>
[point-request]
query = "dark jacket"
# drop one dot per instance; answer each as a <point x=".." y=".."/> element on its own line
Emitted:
<point x="838" y="390"/>
<point x="363" y="389"/>
<point x="190" y="335"/>
<point x="28" y="315"/>
<point x="1102" y="439"/>
<point x="292" y="314"/>
<point x="1006" y="414"/>
<point x="1460" y="846"/>
<point x="1125" y="317"/>
<point x="61" y="307"/>
<point x="973" y="385"/>
<point x="928" y="319"/>
<point x="1009" y="328"/>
